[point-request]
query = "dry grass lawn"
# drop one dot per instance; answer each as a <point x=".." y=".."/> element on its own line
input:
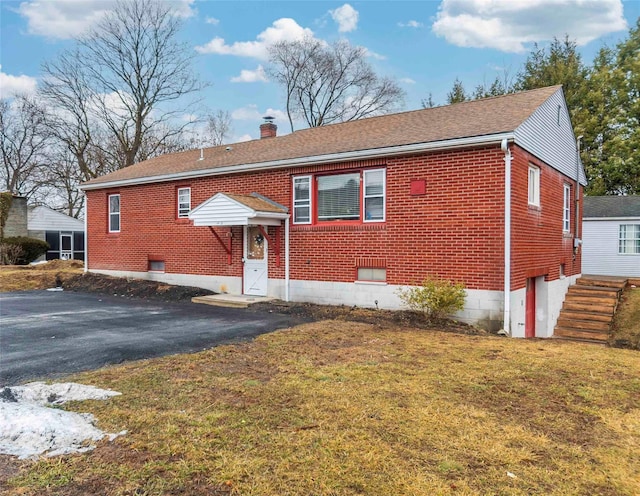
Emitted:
<point x="343" y="408"/>
<point x="626" y="325"/>
<point x="42" y="276"/>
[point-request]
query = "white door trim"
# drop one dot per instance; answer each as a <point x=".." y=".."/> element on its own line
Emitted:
<point x="255" y="273"/>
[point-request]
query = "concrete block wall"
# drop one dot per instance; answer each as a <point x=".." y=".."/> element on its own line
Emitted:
<point x="16" y="224"/>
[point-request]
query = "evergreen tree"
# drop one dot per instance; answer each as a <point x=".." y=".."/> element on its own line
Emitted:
<point x="457" y="93"/>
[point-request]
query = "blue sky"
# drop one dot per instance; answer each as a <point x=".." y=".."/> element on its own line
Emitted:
<point x="425" y="45"/>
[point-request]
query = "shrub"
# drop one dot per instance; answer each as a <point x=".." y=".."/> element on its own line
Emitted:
<point x="31" y="248"/>
<point x="435" y="298"/>
<point x="10" y="254"/>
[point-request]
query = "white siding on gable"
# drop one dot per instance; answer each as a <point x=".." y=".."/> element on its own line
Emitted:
<point x="600" y="249"/>
<point x="45" y="219"/>
<point x="220" y="211"/>
<point x="548" y="134"/>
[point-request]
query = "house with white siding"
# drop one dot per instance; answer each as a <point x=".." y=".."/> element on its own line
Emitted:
<point x="65" y="234"/>
<point x="611" y="236"/>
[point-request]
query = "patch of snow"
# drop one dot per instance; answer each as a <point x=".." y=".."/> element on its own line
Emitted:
<point x="55" y="289"/>
<point x="58" y="394"/>
<point x="28" y="427"/>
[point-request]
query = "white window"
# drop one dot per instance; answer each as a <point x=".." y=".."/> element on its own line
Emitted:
<point x="534" y="186"/>
<point x="114" y="213"/>
<point x="566" y="209"/>
<point x="374" y="194"/>
<point x="302" y="200"/>
<point x="339" y="197"/>
<point x="184" y="202"/>
<point x="372" y="274"/>
<point x="629" y="241"/>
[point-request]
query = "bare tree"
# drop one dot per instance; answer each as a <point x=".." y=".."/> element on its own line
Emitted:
<point x="24" y="138"/>
<point x="128" y="71"/>
<point x="218" y="128"/>
<point x="61" y="179"/>
<point x="67" y="91"/>
<point x="330" y="83"/>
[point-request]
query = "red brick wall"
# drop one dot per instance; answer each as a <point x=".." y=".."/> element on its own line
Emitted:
<point x="453" y="231"/>
<point x="538" y="243"/>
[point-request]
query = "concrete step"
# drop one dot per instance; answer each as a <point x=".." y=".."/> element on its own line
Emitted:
<point x="591" y="325"/>
<point x="583" y="315"/>
<point x="231" y="301"/>
<point x="566" y="332"/>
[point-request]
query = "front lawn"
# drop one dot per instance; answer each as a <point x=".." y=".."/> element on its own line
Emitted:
<point x="345" y="408"/>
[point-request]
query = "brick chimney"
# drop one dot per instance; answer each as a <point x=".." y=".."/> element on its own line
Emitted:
<point x="268" y="129"/>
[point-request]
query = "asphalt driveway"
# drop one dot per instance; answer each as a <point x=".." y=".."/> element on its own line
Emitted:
<point x="48" y="334"/>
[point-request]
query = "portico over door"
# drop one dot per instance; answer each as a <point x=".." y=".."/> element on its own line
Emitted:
<point x="256" y="267"/>
<point x="255" y="213"/>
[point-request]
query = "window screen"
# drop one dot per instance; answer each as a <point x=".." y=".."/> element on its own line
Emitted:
<point x="339" y="197"/>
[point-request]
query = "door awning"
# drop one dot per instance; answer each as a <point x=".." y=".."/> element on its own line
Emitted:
<point x="226" y="209"/>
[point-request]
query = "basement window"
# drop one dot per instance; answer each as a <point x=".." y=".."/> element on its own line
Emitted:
<point x="156" y="265"/>
<point x="372" y="274"/>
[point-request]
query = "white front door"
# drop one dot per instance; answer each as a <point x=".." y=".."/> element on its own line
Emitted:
<point x="255" y="262"/>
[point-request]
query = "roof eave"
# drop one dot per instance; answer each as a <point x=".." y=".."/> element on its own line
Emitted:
<point x="616" y="218"/>
<point x="313" y="160"/>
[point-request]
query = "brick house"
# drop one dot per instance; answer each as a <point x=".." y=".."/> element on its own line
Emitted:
<point x="347" y="213"/>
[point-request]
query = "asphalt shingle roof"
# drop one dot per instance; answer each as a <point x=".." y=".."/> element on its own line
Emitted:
<point x="468" y="119"/>
<point x="611" y="206"/>
<point x="257" y="204"/>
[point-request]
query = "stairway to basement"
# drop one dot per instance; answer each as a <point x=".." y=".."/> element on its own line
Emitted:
<point x="588" y="309"/>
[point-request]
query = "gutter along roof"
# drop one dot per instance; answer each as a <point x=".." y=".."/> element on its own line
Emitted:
<point x="464" y="124"/>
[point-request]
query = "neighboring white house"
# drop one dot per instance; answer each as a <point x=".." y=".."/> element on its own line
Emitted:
<point x="611" y="236"/>
<point x="64" y="234"/>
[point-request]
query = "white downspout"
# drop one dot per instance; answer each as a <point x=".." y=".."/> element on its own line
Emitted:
<point x="506" y="326"/>
<point x="286" y="258"/>
<point x="86" y="237"/>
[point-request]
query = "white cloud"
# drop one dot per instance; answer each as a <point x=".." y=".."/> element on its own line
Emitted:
<point x="372" y="54"/>
<point x="251" y="113"/>
<point x="242" y="137"/>
<point x="212" y="20"/>
<point x="346" y="17"/>
<point x="182" y="8"/>
<point x="407" y="81"/>
<point x="410" y="24"/>
<point x="14" y="85"/>
<point x="284" y="29"/>
<point x="65" y="19"/>
<point x="511" y="25"/>
<point x="247" y="76"/>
